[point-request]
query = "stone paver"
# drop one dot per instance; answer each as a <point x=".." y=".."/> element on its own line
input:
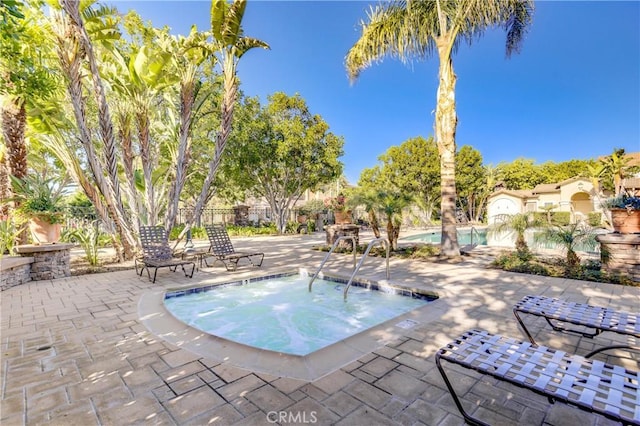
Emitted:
<point x="74" y="351"/>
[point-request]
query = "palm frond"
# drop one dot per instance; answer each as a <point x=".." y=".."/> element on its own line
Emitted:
<point x="393" y="30"/>
<point x="232" y="30"/>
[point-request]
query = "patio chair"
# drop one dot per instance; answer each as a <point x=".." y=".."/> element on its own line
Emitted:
<point x="591" y="385"/>
<point x="596" y="318"/>
<point x="156" y="253"/>
<point x="222" y="249"/>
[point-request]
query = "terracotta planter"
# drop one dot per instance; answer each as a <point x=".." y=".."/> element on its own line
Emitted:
<point x="44" y="232"/>
<point x="625" y="221"/>
<point x="342" y="217"/>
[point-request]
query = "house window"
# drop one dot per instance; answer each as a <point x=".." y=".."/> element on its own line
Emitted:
<point x="531" y="206"/>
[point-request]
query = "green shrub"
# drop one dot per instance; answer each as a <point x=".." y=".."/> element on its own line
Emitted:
<point x="90" y="239"/>
<point x="560" y="218"/>
<point x="8" y="236"/>
<point x="249" y="231"/>
<point x="197" y="232"/>
<point x="594" y="219"/>
<point x="557" y="218"/>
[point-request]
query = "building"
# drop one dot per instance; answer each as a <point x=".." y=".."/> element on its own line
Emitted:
<point x="573" y="195"/>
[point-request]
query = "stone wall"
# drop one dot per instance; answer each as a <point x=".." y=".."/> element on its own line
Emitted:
<point x="14" y="271"/>
<point x="50" y="261"/>
<point x="623" y="254"/>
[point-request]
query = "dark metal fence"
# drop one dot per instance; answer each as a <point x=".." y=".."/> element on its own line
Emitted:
<point x="79" y="217"/>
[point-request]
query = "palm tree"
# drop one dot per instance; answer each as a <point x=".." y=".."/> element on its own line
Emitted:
<point x="369" y="199"/>
<point x="188" y="58"/>
<point x="615" y="167"/>
<point x="392" y="203"/>
<point x="595" y="173"/>
<point x="570" y="237"/>
<point x="231" y="44"/>
<point x="518" y="223"/>
<point x="74" y="45"/>
<point x="413" y="28"/>
<point x="26" y="82"/>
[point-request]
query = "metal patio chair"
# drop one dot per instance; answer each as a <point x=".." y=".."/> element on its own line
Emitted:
<point x="156" y="253"/>
<point x="222" y="250"/>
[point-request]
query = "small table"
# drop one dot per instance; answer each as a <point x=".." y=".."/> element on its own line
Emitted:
<point x="199" y="253"/>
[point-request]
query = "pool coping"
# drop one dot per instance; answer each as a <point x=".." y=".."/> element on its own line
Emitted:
<point x="159" y="321"/>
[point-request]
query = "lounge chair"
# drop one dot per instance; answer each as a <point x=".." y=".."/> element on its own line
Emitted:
<point x="156" y="253"/>
<point x="222" y="249"/>
<point x="590" y="385"/>
<point x="596" y="318"/>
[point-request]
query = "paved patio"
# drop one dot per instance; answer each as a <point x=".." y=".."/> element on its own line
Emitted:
<point x="75" y="351"/>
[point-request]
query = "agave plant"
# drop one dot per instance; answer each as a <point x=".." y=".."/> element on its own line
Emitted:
<point x="39" y="197"/>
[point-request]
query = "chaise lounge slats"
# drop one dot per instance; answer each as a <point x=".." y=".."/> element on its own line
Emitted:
<point x="591" y="385"/>
<point x="222" y="249"/>
<point x="593" y="317"/>
<point x="156" y="253"/>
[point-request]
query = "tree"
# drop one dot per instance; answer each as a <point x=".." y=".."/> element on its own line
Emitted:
<point x="615" y="169"/>
<point x="570" y="238"/>
<point x="522" y="173"/>
<point x="368" y="198"/>
<point x="392" y="204"/>
<point x="409" y="29"/>
<point x="414" y="169"/>
<point x="26" y="82"/>
<point x="470" y="181"/>
<point x="231" y="44"/>
<point x="557" y="172"/>
<point x="518" y="223"/>
<point x="282" y="150"/>
<point x="75" y="46"/>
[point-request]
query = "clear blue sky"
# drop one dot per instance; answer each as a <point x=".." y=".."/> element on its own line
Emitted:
<point x="572" y="93"/>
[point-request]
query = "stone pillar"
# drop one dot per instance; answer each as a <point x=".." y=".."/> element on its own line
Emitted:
<point x="241" y="215"/>
<point x="333" y="232"/>
<point x="50" y="261"/>
<point x="623" y="254"/>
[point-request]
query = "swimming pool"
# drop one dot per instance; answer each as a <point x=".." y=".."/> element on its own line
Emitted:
<point x="278" y="313"/>
<point x="464" y="236"/>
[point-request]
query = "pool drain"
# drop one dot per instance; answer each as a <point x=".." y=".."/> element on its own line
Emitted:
<point x="406" y="324"/>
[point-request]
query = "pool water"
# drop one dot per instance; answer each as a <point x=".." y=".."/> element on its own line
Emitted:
<point x="280" y="314"/>
<point x="464" y="237"/>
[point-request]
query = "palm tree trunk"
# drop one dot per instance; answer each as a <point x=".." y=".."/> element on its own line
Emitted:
<point x="142" y="120"/>
<point x="187" y="100"/>
<point x="390" y="233"/>
<point x="445" y="130"/>
<point x="5" y="188"/>
<point x="14" y="120"/>
<point x="228" y="106"/>
<point x="124" y="120"/>
<point x="373" y="221"/>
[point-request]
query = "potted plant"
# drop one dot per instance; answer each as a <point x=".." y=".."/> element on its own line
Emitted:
<point x="303" y="214"/>
<point x="625" y="213"/>
<point x="40" y="204"/>
<point x="339" y="207"/>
